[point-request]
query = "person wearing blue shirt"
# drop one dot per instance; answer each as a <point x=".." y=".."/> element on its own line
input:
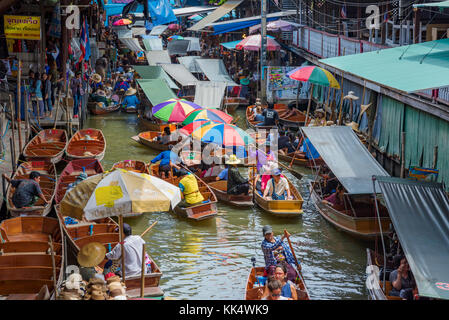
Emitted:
<point x="130" y="101"/>
<point x="223" y="175"/>
<point x="37" y="90"/>
<point x="121" y="85"/>
<point x="168" y="159"/>
<point x="309" y="150"/>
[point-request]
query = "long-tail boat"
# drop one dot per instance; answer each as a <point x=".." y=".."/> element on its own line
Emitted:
<point x="254" y="289"/>
<point x="283" y="208"/>
<point x="106" y="231"/>
<point x="47" y="184"/>
<point x="73" y="169"/>
<point x="85" y="144"/>
<point x="254" y="124"/>
<point x="146" y="138"/>
<point x="295" y="121"/>
<point x="131" y="165"/>
<point x="220" y="190"/>
<point x="48" y="145"/>
<point x="206" y="209"/>
<point x="301" y="161"/>
<point x="156" y="125"/>
<point x="95" y="108"/>
<point x="30" y="270"/>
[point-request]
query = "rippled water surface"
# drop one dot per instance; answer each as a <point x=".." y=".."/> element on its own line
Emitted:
<point x="211" y="259"/>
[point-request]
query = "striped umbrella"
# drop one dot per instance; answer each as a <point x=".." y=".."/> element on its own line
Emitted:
<point x="175" y="37"/>
<point x="211" y="114"/>
<point x="315" y="75"/>
<point x="174" y="110"/>
<point x="223" y="134"/>
<point x="188" y="129"/>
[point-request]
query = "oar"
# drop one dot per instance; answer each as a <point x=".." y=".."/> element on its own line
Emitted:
<point x="148" y="229"/>
<point x="294" y="154"/>
<point x="293" y="253"/>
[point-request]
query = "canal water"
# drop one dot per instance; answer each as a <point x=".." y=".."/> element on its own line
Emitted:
<point x="211" y="259"/>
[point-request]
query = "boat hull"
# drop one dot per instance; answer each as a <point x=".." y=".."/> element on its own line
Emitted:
<point x="48" y="145"/>
<point x="80" y="148"/>
<point x="220" y="187"/>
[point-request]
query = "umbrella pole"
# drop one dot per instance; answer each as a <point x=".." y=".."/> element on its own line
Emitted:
<point x="122" y="246"/>
<point x="308" y="106"/>
<point x="142" y="288"/>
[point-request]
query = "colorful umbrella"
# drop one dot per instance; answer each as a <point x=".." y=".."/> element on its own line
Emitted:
<point x="223" y="134"/>
<point x="175" y="37"/>
<point x="278" y="25"/>
<point x="122" y="22"/>
<point x="253" y="43"/>
<point x="174" y="110"/>
<point x="173" y="26"/>
<point x="315" y="75"/>
<point x="188" y="129"/>
<point x="211" y="114"/>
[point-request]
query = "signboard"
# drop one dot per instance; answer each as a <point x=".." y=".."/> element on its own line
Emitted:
<point x="22" y="27"/>
<point x="279" y="85"/>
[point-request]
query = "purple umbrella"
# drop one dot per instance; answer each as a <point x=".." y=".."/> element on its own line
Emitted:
<point x="274" y="26"/>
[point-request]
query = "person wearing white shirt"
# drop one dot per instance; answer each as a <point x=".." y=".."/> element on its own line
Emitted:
<point x="133" y="252"/>
<point x="276" y="188"/>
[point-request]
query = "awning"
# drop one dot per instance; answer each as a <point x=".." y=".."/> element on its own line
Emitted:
<point x="420" y="215"/>
<point x="152" y="44"/>
<point x="423" y="66"/>
<point x="237" y="24"/>
<point x="132" y="44"/>
<point x="190" y="64"/>
<point x="156" y="57"/>
<point x="123" y="32"/>
<point x="155" y="72"/>
<point x="215" y="71"/>
<point x="156" y="90"/>
<point x="217" y="14"/>
<point x="158" y="30"/>
<point x="180" y="73"/>
<point x="230" y="45"/>
<point x="209" y="94"/>
<point x="346" y="157"/>
<point x="178" y="47"/>
<point x="187" y="11"/>
<point x="138" y="31"/>
<point x="442" y="4"/>
<point x="194" y="44"/>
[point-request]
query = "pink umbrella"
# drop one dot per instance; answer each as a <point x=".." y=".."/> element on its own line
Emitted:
<point x="277" y="25"/>
<point x="173" y="26"/>
<point x="253" y="43"/>
<point x="122" y="22"/>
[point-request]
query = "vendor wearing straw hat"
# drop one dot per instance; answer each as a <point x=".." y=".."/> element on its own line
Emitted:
<point x="236" y="183"/>
<point x="96" y="81"/>
<point x="130" y="100"/>
<point x="320" y="118"/>
<point x="89" y="257"/>
<point x="121" y="84"/>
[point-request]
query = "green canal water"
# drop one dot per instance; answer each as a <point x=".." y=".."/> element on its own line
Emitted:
<point x="211" y="259"/>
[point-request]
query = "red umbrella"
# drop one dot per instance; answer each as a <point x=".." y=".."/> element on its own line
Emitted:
<point x="253" y="43"/>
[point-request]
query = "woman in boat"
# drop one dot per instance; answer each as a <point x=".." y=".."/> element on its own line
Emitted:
<point x="189" y="187"/>
<point x="274" y="288"/>
<point x="320" y="119"/>
<point x="402" y="281"/>
<point x="277" y="188"/>
<point x="89" y="257"/>
<point x="336" y="200"/>
<point x="96" y="82"/>
<point x="165" y="137"/>
<point x="284" y="144"/>
<point x="130" y="100"/>
<point x="288" y="289"/>
<point x="236" y="183"/>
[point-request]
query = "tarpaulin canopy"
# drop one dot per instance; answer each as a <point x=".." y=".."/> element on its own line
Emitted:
<point x="157" y="56"/>
<point x="194" y="44"/>
<point x="412" y="68"/>
<point x="215" y="70"/>
<point x="178" y="47"/>
<point x="180" y="73"/>
<point x="209" y="94"/>
<point x="123" y="32"/>
<point x="156" y="90"/>
<point x="442" y="4"/>
<point x="420" y="214"/>
<point x="139" y="31"/>
<point x="158" y="30"/>
<point x="132" y="44"/>
<point x="346" y="157"/>
<point x="230" y="45"/>
<point x="190" y="64"/>
<point x="217" y="14"/>
<point x="155" y="72"/>
<point x="152" y="44"/>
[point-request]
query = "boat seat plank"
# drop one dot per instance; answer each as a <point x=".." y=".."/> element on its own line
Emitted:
<point x="24" y="286"/>
<point x="24" y="260"/>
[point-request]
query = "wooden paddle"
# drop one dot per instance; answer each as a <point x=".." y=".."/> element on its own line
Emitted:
<point x="148" y="229"/>
<point x="294" y="155"/>
<point x="293" y="253"/>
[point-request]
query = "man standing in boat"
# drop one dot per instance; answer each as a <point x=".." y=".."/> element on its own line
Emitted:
<point x="275" y="251"/>
<point x="27" y="191"/>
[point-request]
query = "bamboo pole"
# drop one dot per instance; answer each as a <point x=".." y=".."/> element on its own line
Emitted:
<point x="13" y="150"/>
<point x="142" y="288"/>
<point x="148" y="229"/>
<point x="122" y="246"/>
<point x="308" y="106"/>
<point x="53" y="263"/>
<point x="402" y="154"/>
<point x="293" y="253"/>
<point x="19" y="96"/>
<point x="341" y="100"/>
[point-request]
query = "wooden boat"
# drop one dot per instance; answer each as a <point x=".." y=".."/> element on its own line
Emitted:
<point x="155" y="126"/>
<point x="106" y="231"/>
<point x="283" y="208"/>
<point x="131" y="165"/>
<point x="197" y="212"/>
<point x="73" y="169"/>
<point x="48" y="145"/>
<point x="253" y="124"/>
<point x="295" y="121"/>
<point x="303" y="162"/>
<point x="96" y="109"/>
<point x="85" y="144"/>
<point x="358" y="217"/>
<point x="28" y="270"/>
<point x="254" y="290"/>
<point x="47" y="184"/>
<point x="130" y="109"/>
<point x="220" y="190"/>
<point x="376" y="261"/>
<point x="146" y="138"/>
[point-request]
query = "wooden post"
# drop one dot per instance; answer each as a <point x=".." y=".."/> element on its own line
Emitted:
<point x="327" y="102"/>
<point x="53" y="263"/>
<point x="417" y="25"/>
<point x="297" y="96"/>
<point x="308" y="106"/>
<point x="19" y="96"/>
<point x="13" y="150"/>
<point x="142" y="288"/>
<point x="362" y="101"/>
<point x="13" y="156"/>
<point x="372" y="118"/>
<point x="27" y="118"/>
<point x="402" y="155"/>
<point x="57" y="109"/>
<point x="435" y="157"/>
<point x="122" y="246"/>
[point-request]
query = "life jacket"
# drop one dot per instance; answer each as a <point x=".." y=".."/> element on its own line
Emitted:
<point x="191" y="191"/>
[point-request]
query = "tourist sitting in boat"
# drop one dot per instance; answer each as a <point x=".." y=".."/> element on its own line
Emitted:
<point x="133" y="254"/>
<point x="264" y="176"/>
<point x="236" y="183"/>
<point x="165" y="136"/>
<point x="275" y="251"/>
<point x="336" y="200"/>
<point x="277" y="188"/>
<point x="402" y="281"/>
<point x="99" y="96"/>
<point x="274" y="288"/>
<point x="189" y="188"/>
<point x="121" y="85"/>
<point x="96" y="82"/>
<point x="27" y="191"/>
<point x="223" y="175"/>
<point x="130" y="101"/>
<point x="168" y="160"/>
<point x="284" y="144"/>
<point x="307" y="150"/>
<point x="330" y="183"/>
<point x="288" y="289"/>
<point x="89" y="258"/>
<point x="271" y="117"/>
<point x="320" y="119"/>
<point x="289" y="112"/>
